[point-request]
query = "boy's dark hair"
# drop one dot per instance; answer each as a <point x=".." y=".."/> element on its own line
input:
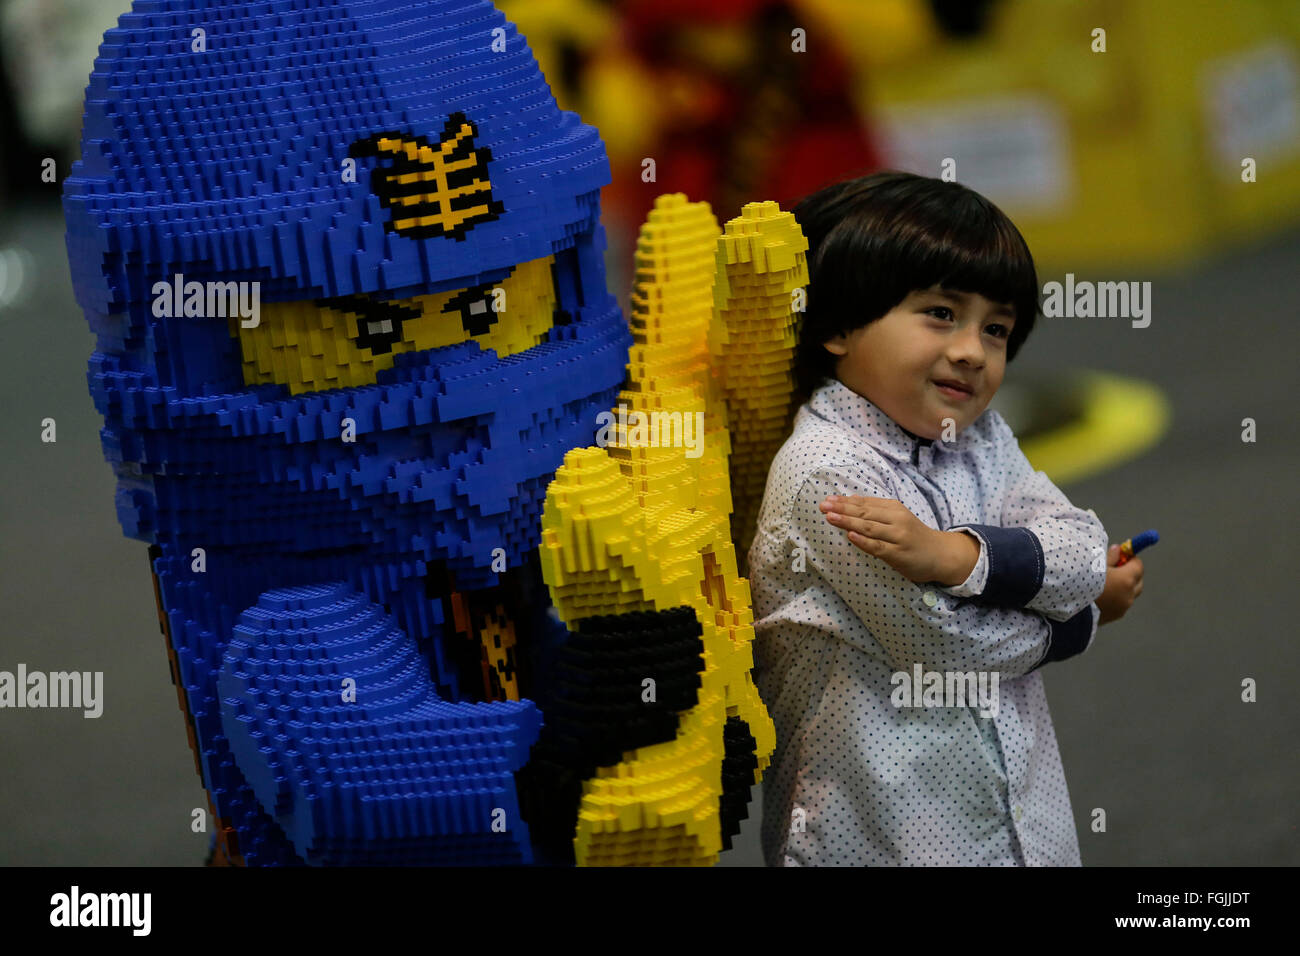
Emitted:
<point x="874" y="240"/>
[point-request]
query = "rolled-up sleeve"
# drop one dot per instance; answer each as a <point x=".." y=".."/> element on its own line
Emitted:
<point x="914" y="623"/>
<point x="1044" y="554"/>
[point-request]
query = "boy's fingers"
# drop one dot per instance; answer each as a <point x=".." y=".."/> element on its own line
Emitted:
<point x="863" y="526"/>
<point x="846" y="507"/>
<point x="876" y="547"/>
<point x="863" y="543"/>
<point x="859" y="505"/>
<point x="1132" y="572"/>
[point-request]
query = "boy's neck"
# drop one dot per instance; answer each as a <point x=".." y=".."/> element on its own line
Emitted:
<point x="923" y="441"/>
<point x="914" y="437"/>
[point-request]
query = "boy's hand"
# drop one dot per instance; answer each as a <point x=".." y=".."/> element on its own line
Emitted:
<point x="1123" y="585"/>
<point x="886" y="529"/>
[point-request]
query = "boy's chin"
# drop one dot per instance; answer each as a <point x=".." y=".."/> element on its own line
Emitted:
<point x="925" y="426"/>
<point x="939" y="427"/>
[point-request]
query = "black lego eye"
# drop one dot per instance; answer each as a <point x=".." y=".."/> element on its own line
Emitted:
<point x="475" y="308"/>
<point x="379" y="324"/>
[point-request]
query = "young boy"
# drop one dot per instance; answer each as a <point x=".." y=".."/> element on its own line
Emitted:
<point x="945" y="551"/>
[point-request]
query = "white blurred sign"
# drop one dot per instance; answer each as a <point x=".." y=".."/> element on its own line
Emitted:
<point x="1252" y="106"/>
<point x="1014" y="149"/>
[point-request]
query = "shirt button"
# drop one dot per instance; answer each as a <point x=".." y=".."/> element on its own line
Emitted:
<point x="1019" y="812"/>
<point x="930" y="598"/>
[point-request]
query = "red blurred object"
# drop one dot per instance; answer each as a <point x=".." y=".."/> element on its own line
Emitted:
<point x="777" y="125"/>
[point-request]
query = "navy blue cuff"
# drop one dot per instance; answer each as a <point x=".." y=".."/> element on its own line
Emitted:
<point x="1068" y="638"/>
<point x="1016" y="565"/>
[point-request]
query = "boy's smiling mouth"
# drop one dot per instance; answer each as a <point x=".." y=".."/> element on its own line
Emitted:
<point x="954" y="389"/>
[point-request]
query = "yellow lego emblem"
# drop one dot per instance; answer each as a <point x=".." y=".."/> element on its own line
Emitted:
<point x="433" y="190"/>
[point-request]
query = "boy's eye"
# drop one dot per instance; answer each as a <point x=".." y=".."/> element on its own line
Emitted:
<point x="1001" y="331"/>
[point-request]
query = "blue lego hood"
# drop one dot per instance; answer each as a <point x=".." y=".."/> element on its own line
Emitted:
<point x="236" y="140"/>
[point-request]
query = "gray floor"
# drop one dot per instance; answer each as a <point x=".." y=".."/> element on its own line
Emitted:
<point x="1150" y="721"/>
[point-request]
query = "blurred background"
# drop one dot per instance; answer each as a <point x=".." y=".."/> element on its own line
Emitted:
<point x="1121" y="155"/>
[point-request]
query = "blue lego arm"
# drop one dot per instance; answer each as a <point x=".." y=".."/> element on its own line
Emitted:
<point x="333" y="719"/>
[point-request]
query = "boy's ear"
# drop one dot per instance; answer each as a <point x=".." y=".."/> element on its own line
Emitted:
<point x="838" y="344"/>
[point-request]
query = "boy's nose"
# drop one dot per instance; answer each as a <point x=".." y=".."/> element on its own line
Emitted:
<point x="966" y="348"/>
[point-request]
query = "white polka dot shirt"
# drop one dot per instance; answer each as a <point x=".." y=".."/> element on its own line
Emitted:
<point x="880" y="759"/>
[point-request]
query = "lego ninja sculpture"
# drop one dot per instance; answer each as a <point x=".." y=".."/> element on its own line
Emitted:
<point x="441" y="541"/>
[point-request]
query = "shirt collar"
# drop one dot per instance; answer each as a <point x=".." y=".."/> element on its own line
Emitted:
<point x="836" y="402"/>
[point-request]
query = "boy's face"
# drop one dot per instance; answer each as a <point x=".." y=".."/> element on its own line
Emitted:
<point x="931" y="336"/>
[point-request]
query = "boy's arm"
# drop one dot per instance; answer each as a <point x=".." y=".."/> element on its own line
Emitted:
<point x="919" y="622"/>
<point x="1044" y="554"/>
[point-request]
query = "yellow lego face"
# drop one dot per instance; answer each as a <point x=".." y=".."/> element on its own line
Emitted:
<point x="312" y="345"/>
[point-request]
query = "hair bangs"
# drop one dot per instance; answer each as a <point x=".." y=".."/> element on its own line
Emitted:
<point x="981" y="252"/>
